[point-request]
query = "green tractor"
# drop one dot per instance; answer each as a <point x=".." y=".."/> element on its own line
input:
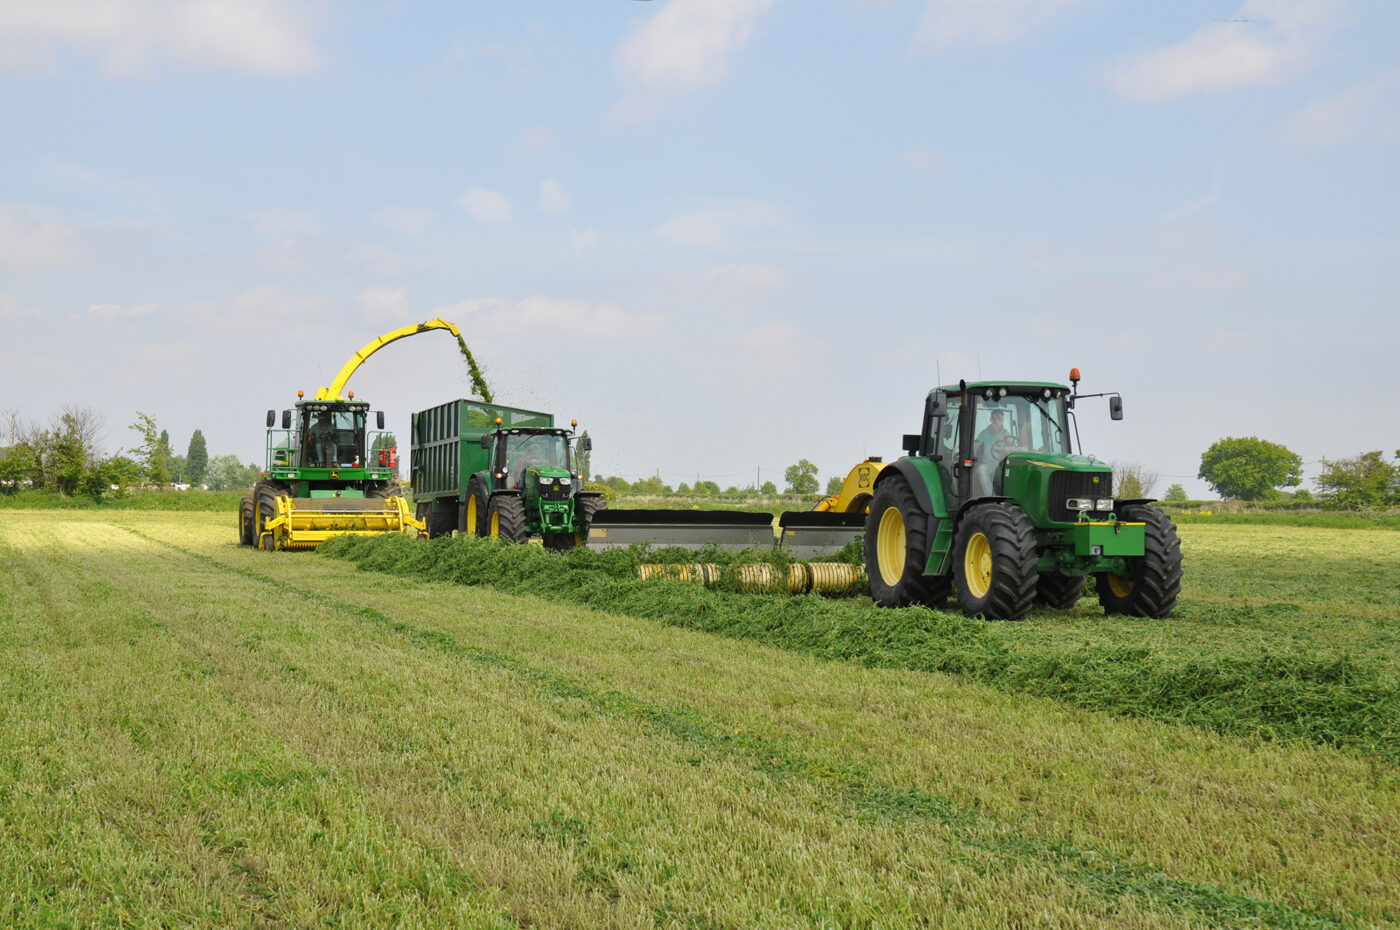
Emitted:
<point x="488" y="470"/>
<point x="992" y="505"/>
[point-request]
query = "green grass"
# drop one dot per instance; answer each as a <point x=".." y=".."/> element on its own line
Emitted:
<point x="196" y="733"/>
<point x="1323" y="670"/>
<point x="190" y="501"/>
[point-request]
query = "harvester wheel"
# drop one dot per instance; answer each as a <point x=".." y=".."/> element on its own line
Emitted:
<point x="896" y="549"/>
<point x="994" y="561"/>
<point x="505" y="519"/>
<point x="471" y="518"/>
<point x="1156" y="580"/>
<point x="266" y="495"/>
<point x="385" y="490"/>
<point x="1059" y="591"/>
<point x="246" y="521"/>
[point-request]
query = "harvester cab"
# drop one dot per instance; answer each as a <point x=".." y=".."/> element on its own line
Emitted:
<point x="503" y="472"/>
<point x="993" y="504"/>
<point x="326" y="471"/>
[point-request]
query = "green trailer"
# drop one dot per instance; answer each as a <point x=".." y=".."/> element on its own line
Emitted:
<point x="505" y="472"/>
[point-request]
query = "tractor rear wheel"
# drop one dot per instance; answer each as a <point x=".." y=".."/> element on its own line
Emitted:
<point x="896" y="549"/>
<point x="505" y="519"/>
<point x="1059" y="591"/>
<point x="994" y="561"/>
<point x="471" y="514"/>
<point x="1155" y="582"/>
<point x="246" y="521"/>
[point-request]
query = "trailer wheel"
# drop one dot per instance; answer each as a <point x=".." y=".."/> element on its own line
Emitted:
<point x="1155" y="583"/>
<point x="896" y="549"/>
<point x="1059" y="591"/>
<point x="587" y="508"/>
<point x="245" y="521"/>
<point x="505" y="519"/>
<point x="994" y="561"/>
<point x="471" y="517"/>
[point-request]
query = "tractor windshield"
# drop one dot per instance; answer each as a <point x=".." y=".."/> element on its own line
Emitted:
<point x="333" y="436"/>
<point x="1015" y="423"/>
<point x="534" y="450"/>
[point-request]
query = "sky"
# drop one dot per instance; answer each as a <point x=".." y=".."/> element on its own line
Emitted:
<point x="723" y="235"/>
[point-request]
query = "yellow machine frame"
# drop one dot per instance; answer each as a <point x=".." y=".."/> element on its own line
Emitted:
<point x="334" y="389"/>
<point x="856" y="490"/>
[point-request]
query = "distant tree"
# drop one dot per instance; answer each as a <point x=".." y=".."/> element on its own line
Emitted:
<point x="683" y="488"/>
<point x="226" y="473"/>
<point x="768" y="488"/>
<point x="1302" y="494"/>
<point x="153" y="452"/>
<point x="651" y="485"/>
<point x="833" y="484"/>
<point x="1249" y="468"/>
<point x="1176" y="494"/>
<point x="1365" y="481"/>
<point x="801" y="478"/>
<point x="732" y="489"/>
<point x="1133" y="480"/>
<point x="706" y="487"/>
<point x="179" y="469"/>
<point x="196" y="459"/>
<point x="583" y="459"/>
<point x="619" y="485"/>
<point x="165" y="445"/>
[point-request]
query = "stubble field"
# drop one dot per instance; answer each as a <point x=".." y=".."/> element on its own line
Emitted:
<point x="195" y="733"/>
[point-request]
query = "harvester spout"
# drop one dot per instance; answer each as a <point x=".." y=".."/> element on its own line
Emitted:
<point x="336" y="387"/>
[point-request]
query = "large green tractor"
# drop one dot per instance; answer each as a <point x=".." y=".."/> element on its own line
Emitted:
<point x="489" y="470"/>
<point x="992" y="505"/>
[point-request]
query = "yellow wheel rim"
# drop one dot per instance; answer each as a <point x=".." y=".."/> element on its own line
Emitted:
<point x="890" y="547"/>
<point x="1121" y="587"/>
<point x="977" y="565"/>
<point x="495" y="525"/>
<point x="471" y="515"/>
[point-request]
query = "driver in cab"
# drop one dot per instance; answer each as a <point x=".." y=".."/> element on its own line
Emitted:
<point x="993" y="443"/>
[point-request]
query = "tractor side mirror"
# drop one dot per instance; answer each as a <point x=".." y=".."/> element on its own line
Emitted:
<point x="585" y="444"/>
<point x="911" y="443"/>
<point x="271" y="419"/>
<point x="937" y="405"/>
<point x="486" y="441"/>
<point x="379" y="419"/>
<point x="286" y="419"/>
<point x="1115" y="407"/>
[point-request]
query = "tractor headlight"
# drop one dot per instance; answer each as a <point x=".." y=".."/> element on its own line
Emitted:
<point x="1080" y="504"/>
<point x="1105" y="504"/>
<point x="544" y="480"/>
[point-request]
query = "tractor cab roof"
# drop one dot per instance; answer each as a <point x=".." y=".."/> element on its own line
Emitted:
<point x="980" y="388"/>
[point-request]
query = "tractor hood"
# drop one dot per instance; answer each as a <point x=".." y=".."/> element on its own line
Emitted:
<point x="1045" y="482"/>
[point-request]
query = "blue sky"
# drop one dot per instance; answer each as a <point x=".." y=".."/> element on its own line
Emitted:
<point x="723" y="234"/>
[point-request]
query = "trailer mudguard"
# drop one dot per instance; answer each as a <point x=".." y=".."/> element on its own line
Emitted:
<point x="922" y="475"/>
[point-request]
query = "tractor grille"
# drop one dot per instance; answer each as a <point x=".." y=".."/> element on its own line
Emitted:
<point x="556" y="492"/>
<point x="1067" y="484"/>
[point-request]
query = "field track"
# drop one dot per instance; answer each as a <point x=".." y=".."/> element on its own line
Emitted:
<point x="196" y="733"/>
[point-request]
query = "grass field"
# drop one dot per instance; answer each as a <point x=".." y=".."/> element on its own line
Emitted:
<point x="196" y="733"/>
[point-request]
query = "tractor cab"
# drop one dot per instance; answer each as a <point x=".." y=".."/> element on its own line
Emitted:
<point x="522" y="453"/>
<point x="332" y="434"/>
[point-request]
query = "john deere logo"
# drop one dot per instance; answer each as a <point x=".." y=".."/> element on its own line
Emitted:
<point x="1096" y="479"/>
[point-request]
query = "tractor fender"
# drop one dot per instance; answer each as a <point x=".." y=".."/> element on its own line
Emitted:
<point x="1128" y="501"/>
<point x="483" y="479"/>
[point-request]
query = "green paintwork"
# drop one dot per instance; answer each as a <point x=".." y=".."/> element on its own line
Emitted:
<point x="1028" y="477"/>
<point x="284" y="447"/>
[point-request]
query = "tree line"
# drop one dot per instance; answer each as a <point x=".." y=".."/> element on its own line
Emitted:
<point x="64" y="456"/>
<point x="1254" y="469"/>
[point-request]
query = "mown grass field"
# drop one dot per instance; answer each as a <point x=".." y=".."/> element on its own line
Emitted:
<point x="192" y="733"/>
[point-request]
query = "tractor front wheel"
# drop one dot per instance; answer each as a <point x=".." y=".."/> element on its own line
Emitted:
<point x="505" y="519"/>
<point x="265" y="508"/>
<point x="246" y="521"/>
<point x="896" y="549"/>
<point x="1152" y="587"/>
<point x="994" y="562"/>
<point x="585" y="509"/>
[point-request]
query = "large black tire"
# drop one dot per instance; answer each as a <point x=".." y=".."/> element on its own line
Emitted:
<point x="246" y="521"/>
<point x="440" y="522"/>
<point x="588" y="508"/>
<point x="265" y="500"/>
<point x="896" y="549"/>
<point x="1156" y="576"/>
<point x="505" y="519"/>
<point x="384" y="489"/>
<point x="994" y="562"/>
<point x="1059" y="591"/>
<point x="471" y="514"/>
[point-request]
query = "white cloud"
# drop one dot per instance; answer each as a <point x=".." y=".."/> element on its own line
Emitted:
<point x="757" y="276"/>
<point x="583" y="238"/>
<point x="115" y="312"/>
<point x="268" y="303"/>
<point x="285" y="224"/>
<point x="533" y="139"/>
<point x="921" y="158"/>
<point x="12" y="311"/>
<point x="1264" y="42"/>
<point x="385" y="301"/>
<point x="954" y="23"/>
<point x="129" y="36"/>
<point x="1371" y="109"/>
<point x="31" y="238"/>
<point x="686" y="45"/>
<point x="713" y="227"/>
<point x="485" y="206"/>
<point x="560" y="317"/>
<point x="552" y="197"/>
<point x="407" y="221"/>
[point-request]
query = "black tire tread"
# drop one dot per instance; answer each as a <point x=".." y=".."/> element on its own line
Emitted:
<point x="510" y="512"/>
<point x="913" y="587"/>
<point x="1014" y="578"/>
<point x="1059" y="591"/>
<point x="1157" y="584"/>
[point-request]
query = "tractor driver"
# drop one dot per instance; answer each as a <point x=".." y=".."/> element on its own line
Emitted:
<point x="992" y="445"/>
<point x="321" y="442"/>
